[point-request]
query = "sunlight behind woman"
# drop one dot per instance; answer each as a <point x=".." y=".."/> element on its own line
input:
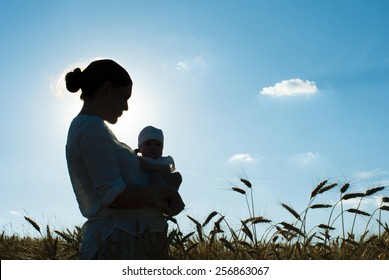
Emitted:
<point x="145" y="105"/>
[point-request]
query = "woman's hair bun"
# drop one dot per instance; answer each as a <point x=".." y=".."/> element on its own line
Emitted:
<point x="74" y="80"/>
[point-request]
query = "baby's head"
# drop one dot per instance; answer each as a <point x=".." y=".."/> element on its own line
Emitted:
<point x="150" y="142"/>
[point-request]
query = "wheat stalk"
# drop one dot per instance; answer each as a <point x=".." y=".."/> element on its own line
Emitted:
<point x="373" y="191"/>
<point x="292" y="228"/>
<point x="33" y="223"/>
<point x="247" y="231"/>
<point x="246" y="182"/>
<point x="317" y="189"/>
<point x="327" y="188"/>
<point x="260" y="220"/>
<point x="198" y="228"/>
<point x="385" y="208"/>
<point x="239" y="190"/>
<point x="345" y="187"/>
<point x="227" y="244"/>
<point x="357" y="211"/>
<point x="209" y="218"/>
<point x="317" y="206"/>
<point x="291" y="210"/>
<point x="323" y="226"/>
<point x="352" y="195"/>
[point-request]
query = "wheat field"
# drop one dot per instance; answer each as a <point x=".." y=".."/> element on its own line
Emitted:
<point x="256" y="237"/>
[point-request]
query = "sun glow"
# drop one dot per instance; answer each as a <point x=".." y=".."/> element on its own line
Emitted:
<point x="145" y="107"/>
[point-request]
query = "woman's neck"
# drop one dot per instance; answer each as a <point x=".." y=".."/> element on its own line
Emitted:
<point x="92" y="109"/>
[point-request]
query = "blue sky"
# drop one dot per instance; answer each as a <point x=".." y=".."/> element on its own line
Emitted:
<point x="286" y="93"/>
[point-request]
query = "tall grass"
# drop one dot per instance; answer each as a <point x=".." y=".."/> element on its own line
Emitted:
<point x="51" y="245"/>
<point x="215" y="238"/>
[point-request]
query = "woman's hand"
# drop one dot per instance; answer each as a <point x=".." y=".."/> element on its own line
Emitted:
<point x="158" y="193"/>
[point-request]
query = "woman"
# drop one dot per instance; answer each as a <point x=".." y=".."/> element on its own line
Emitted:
<point x="124" y="215"/>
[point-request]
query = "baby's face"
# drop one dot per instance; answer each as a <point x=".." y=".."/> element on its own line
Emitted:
<point x="151" y="148"/>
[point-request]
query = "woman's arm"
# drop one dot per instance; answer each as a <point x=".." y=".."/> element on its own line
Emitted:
<point x="136" y="196"/>
<point x="162" y="168"/>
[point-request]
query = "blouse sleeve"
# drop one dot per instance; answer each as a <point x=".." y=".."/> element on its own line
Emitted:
<point x="97" y="150"/>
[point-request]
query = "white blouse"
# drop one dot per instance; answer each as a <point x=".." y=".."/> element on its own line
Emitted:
<point x="100" y="168"/>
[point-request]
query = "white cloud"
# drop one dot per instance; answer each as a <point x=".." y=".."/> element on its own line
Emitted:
<point x="305" y="158"/>
<point x="191" y="63"/>
<point x="242" y="158"/>
<point x="291" y="87"/>
<point x="368" y="174"/>
<point x="15" y="213"/>
<point x="182" y="65"/>
<point x="366" y="202"/>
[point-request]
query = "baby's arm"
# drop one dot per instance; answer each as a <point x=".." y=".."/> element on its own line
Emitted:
<point x="166" y="170"/>
<point x="160" y="168"/>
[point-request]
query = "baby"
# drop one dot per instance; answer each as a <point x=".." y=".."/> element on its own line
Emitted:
<point x="157" y="166"/>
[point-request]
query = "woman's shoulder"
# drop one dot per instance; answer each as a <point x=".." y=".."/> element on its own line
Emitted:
<point x="88" y="126"/>
<point x="87" y="119"/>
<point x="87" y="122"/>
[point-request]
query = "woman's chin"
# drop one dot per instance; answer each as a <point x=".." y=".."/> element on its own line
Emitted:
<point x="113" y="120"/>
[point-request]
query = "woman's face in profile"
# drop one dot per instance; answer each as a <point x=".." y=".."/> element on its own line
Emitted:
<point x="117" y="102"/>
